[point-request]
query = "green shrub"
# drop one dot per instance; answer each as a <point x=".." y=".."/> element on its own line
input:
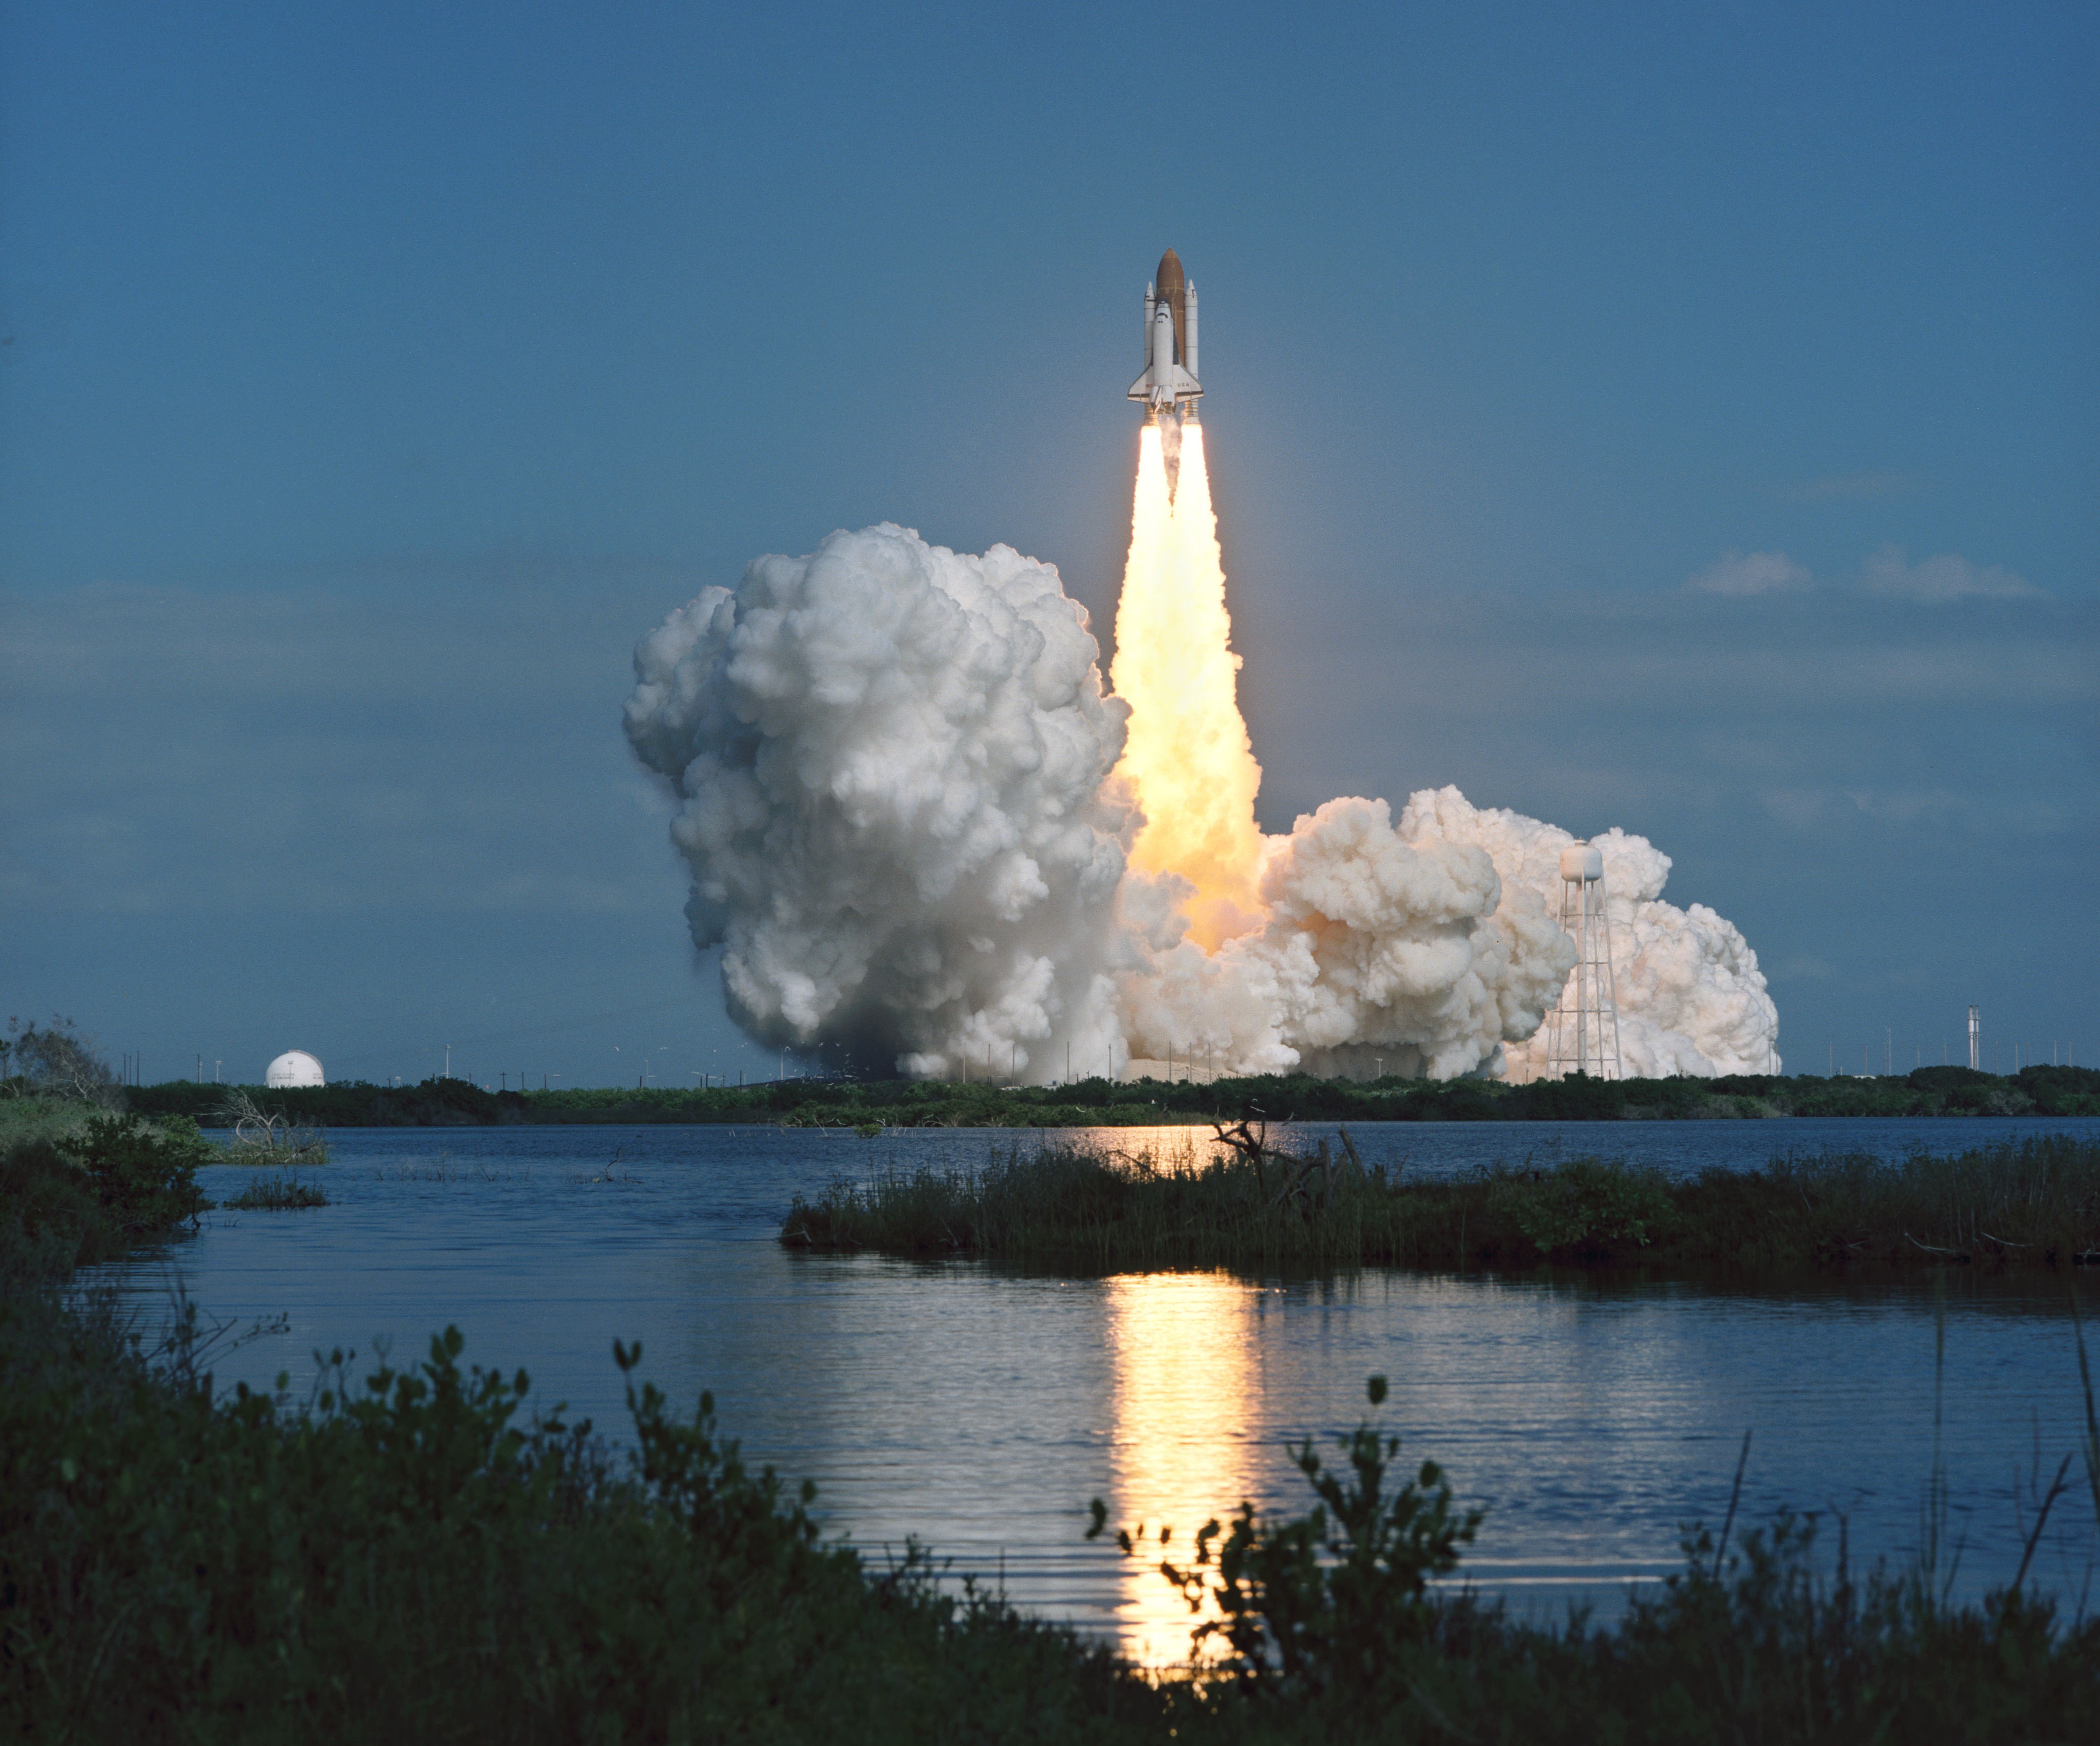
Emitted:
<point x="402" y="1558"/>
<point x="1335" y="1631"/>
<point x="1315" y="1607"/>
<point x="1591" y="1211"/>
<point x="98" y="1184"/>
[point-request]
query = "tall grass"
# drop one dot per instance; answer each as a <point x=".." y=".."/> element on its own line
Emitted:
<point x="2025" y="1203"/>
<point x="277" y="1194"/>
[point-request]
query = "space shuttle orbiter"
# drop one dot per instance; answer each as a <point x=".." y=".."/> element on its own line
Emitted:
<point x="1169" y="381"/>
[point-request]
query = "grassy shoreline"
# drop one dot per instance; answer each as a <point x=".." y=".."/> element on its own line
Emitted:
<point x="1951" y="1092"/>
<point x="2033" y="1204"/>
<point x="408" y="1554"/>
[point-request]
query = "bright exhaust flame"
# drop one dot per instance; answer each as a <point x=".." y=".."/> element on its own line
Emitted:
<point x="1187" y="755"/>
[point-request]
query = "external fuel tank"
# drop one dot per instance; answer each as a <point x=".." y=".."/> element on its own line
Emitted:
<point x="1172" y="288"/>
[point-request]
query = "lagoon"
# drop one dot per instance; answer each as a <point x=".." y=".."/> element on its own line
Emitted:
<point x="979" y="1408"/>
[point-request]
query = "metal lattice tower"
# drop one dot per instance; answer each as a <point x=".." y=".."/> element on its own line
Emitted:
<point x="1582" y="1031"/>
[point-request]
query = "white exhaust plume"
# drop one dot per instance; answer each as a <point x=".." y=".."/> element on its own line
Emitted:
<point x="890" y="762"/>
<point x="1690" y="996"/>
<point x="893" y="769"/>
<point x="1372" y="948"/>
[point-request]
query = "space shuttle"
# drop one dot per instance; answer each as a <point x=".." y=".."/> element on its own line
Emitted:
<point x="1169" y="383"/>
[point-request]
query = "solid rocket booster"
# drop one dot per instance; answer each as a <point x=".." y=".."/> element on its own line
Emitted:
<point x="1169" y="383"/>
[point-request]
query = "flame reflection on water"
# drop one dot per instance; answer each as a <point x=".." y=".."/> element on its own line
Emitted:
<point x="1188" y="1389"/>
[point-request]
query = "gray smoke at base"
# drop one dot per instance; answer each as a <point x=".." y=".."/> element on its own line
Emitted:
<point x="891" y="765"/>
<point x="890" y="761"/>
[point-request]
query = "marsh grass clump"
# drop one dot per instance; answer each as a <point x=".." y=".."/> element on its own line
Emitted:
<point x="1235" y="1201"/>
<point x="277" y="1194"/>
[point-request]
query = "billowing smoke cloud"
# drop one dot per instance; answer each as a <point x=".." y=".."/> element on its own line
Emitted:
<point x="1372" y="950"/>
<point x="1690" y="996"/>
<point x="890" y="762"/>
<point x="894" y="769"/>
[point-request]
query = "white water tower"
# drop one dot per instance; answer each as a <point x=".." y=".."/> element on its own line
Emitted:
<point x="292" y="1069"/>
<point x="1582" y="1031"/>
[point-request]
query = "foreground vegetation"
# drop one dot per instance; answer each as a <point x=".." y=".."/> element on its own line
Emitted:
<point x="1102" y="1103"/>
<point x="405" y="1554"/>
<point x="83" y="1183"/>
<point x="1233" y="1203"/>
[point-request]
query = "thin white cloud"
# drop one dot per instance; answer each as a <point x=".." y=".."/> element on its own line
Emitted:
<point x="1887" y="573"/>
<point x="1742" y="573"/>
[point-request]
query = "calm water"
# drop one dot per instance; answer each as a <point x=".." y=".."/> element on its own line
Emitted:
<point x="980" y="1408"/>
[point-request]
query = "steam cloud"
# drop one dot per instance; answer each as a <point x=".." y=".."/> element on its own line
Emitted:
<point x="1690" y="996"/>
<point x="893" y="766"/>
<point x="891" y="762"/>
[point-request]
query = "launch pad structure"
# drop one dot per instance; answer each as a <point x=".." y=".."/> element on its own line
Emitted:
<point x="1582" y="1030"/>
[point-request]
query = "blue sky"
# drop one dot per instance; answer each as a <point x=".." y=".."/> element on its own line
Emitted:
<point x="1682" y="419"/>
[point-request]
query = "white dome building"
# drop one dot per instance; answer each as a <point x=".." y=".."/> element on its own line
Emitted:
<point x="295" y="1067"/>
